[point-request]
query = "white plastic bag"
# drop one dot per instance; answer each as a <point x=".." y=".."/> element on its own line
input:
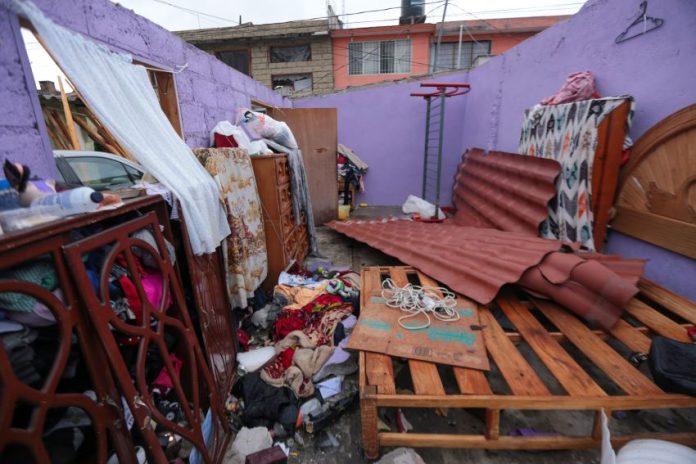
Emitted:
<point x="264" y="126"/>
<point x="228" y="129"/>
<point x="644" y="451"/>
<point x="414" y="204"/>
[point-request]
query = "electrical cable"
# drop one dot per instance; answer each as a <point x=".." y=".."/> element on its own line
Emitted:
<point x="416" y="300"/>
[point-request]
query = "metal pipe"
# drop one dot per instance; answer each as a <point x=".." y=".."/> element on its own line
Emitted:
<point x="459" y="47"/>
<point x="443" y="95"/>
<point x="427" y="136"/>
<point x="439" y="37"/>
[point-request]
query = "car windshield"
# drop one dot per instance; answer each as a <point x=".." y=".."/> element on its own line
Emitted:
<point x="101" y="173"/>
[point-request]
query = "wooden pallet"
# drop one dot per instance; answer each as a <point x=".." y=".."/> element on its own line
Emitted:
<point x="655" y="311"/>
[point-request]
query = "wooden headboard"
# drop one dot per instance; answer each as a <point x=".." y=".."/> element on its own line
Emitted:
<point x="657" y="189"/>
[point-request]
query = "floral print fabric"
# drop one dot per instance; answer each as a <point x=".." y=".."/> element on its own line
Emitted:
<point x="567" y="133"/>
<point x="245" y="248"/>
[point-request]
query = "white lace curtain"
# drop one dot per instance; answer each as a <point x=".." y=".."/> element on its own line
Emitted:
<point x="120" y="95"/>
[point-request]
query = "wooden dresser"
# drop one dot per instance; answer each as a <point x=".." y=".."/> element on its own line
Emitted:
<point x="285" y="240"/>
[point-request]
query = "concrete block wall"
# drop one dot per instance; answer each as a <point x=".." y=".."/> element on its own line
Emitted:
<point x="208" y="90"/>
<point x="320" y="66"/>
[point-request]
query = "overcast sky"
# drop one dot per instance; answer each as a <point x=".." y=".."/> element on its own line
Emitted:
<point x="195" y="14"/>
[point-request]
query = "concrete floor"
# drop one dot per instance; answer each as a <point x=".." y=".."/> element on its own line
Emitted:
<point x="343" y="251"/>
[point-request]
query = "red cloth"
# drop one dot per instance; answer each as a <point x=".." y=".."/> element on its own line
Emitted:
<point x="289" y="320"/>
<point x="224" y="141"/>
<point x="243" y="339"/>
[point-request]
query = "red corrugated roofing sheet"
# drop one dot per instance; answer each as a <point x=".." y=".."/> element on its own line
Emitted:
<point x="477" y="262"/>
<point x="504" y="191"/>
<point x="585" y="285"/>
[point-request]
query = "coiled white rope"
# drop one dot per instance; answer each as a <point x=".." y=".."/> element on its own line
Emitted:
<point x="415" y="300"/>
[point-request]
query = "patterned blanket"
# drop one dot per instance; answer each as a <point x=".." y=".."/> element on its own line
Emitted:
<point x="567" y="133"/>
<point x="245" y="248"/>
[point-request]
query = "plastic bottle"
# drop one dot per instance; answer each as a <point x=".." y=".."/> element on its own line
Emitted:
<point x="75" y="201"/>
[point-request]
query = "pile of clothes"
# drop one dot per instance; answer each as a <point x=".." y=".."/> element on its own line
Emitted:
<point x="293" y="352"/>
<point x="31" y="337"/>
<point x="351" y="170"/>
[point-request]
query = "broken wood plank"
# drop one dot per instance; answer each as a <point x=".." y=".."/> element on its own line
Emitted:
<point x="74" y="140"/>
<point x="569" y="374"/>
<point x="94" y="135"/>
<point x="59" y="125"/>
<point x="619" y="370"/>
<point x="380" y="372"/>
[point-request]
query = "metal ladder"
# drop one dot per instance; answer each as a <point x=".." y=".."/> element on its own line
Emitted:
<point x="434" y="136"/>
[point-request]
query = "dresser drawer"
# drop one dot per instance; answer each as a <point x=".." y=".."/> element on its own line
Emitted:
<point x="282" y="173"/>
<point x="284" y="197"/>
<point x="290" y="244"/>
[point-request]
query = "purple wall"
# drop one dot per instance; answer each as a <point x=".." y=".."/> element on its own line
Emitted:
<point x="208" y="90"/>
<point x="386" y="128"/>
<point x="657" y="69"/>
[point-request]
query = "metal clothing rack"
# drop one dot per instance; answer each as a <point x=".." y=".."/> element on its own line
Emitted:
<point x="434" y="136"/>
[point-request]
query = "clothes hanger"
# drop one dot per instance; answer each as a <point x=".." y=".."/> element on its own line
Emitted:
<point x="643" y="19"/>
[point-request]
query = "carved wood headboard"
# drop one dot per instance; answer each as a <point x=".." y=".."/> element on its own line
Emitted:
<point x="657" y="189"/>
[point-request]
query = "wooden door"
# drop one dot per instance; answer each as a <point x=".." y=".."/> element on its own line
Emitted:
<point x="317" y="136"/>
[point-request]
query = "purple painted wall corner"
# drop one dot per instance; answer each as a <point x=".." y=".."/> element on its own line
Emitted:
<point x="386" y="129"/>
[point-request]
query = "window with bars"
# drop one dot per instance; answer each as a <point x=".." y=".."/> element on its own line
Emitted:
<point x="447" y="54"/>
<point x="379" y="57"/>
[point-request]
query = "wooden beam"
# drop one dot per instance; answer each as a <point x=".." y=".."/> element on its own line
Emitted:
<point x="94" y="135"/>
<point x="537" y="402"/>
<point x="58" y="124"/>
<point x="74" y="140"/>
<point x="426" y="440"/>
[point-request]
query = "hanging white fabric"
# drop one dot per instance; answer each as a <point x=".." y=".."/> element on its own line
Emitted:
<point x="121" y="96"/>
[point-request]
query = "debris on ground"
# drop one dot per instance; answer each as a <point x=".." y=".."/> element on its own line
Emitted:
<point x="248" y="441"/>
<point x="295" y="376"/>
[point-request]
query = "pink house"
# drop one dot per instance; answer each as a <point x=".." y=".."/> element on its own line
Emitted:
<point x="375" y="54"/>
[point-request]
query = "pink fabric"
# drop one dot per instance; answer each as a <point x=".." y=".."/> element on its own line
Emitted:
<point x="578" y="86"/>
<point x="163" y="380"/>
<point x="153" y="287"/>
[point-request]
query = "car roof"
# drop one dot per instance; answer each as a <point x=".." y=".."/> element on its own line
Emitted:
<point x="96" y="154"/>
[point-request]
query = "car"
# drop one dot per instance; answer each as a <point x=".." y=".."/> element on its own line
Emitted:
<point x="98" y="170"/>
